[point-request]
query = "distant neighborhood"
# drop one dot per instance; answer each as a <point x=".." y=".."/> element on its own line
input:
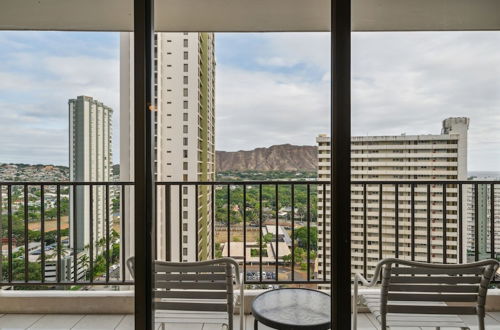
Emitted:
<point x="39" y="172"/>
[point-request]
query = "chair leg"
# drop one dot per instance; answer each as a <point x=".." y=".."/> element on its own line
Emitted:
<point x="255" y="324"/>
<point x="481" y="322"/>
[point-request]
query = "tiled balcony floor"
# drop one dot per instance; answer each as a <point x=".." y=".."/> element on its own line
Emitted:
<point x="126" y="322"/>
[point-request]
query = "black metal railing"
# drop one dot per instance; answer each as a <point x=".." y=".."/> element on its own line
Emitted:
<point x="59" y="234"/>
<point x="278" y="230"/>
<point x="430" y="221"/>
<point x="237" y="210"/>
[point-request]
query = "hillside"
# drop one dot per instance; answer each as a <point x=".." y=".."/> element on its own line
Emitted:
<point x="285" y="157"/>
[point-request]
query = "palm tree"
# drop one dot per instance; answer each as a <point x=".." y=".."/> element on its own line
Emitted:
<point x="84" y="262"/>
<point x="64" y="249"/>
<point x="100" y="244"/>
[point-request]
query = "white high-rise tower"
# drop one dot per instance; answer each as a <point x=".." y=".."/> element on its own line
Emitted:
<point x="184" y="127"/>
<point x="405" y="158"/>
<point x="90" y="160"/>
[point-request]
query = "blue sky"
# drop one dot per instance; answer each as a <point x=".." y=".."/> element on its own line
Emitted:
<point x="272" y="88"/>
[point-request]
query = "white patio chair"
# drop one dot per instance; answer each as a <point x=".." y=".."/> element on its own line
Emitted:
<point x="196" y="292"/>
<point x="416" y="294"/>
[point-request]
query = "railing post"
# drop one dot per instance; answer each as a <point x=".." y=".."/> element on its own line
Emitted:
<point x="476" y="222"/>
<point x="492" y="220"/>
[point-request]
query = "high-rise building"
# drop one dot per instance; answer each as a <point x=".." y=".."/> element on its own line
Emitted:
<point x="480" y="208"/>
<point x="404" y="158"/>
<point x="184" y="135"/>
<point x="90" y="160"/>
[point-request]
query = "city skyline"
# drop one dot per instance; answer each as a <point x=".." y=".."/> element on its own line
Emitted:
<point x="408" y="82"/>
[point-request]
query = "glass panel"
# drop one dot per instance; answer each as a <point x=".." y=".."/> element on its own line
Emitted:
<point x="65" y="201"/>
<point x="424" y="109"/>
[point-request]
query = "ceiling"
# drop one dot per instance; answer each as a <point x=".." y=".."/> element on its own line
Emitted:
<point x="251" y="15"/>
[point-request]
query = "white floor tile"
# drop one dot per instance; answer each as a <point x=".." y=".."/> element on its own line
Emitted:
<point x="364" y="323"/>
<point x="495" y="315"/>
<point x="99" y="322"/>
<point x="249" y="324"/>
<point x="213" y="326"/>
<point x="489" y="322"/>
<point x="373" y="320"/>
<point x="18" y="321"/>
<point x="127" y="323"/>
<point x="55" y="321"/>
<point x="183" y="326"/>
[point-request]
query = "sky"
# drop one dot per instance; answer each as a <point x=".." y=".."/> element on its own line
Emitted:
<point x="271" y="88"/>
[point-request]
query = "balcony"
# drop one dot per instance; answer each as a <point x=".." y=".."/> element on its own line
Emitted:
<point x="41" y="272"/>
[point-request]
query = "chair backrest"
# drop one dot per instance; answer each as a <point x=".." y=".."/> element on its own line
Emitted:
<point x="194" y="286"/>
<point x="422" y="288"/>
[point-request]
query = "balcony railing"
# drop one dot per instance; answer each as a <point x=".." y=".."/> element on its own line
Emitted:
<point x="230" y="224"/>
<point x="40" y="249"/>
<point x="278" y="230"/>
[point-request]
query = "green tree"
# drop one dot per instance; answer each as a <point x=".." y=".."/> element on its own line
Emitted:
<point x="115" y="205"/>
<point x="301" y="236"/>
<point x="287" y="259"/>
<point x="114" y="236"/>
<point x="51" y="213"/>
<point x="300" y="255"/>
<point x="267" y="238"/>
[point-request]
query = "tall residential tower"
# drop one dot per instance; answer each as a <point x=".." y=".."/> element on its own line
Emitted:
<point x="90" y="160"/>
<point x="184" y="135"/>
<point x="400" y="158"/>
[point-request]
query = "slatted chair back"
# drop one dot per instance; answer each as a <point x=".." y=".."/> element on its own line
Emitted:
<point x="203" y="286"/>
<point x="420" y="288"/>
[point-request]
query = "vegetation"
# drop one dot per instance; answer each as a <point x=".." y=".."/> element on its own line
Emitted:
<point x="263" y="175"/>
<point x="35" y="269"/>
<point x="301" y="236"/>
<point x="269" y="205"/>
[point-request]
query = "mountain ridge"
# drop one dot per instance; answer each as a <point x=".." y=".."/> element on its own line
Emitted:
<point x="283" y="157"/>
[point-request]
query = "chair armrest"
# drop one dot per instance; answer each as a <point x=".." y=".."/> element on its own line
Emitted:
<point x="360" y="279"/>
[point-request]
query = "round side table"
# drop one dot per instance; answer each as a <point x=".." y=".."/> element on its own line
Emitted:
<point x="292" y="309"/>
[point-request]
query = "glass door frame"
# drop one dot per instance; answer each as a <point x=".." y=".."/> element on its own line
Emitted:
<point x="340" y="183"/>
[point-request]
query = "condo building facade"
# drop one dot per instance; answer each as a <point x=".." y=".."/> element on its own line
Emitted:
<point x="485" y="207"/>
<point x="399" y="158"/>
<point x="184" y="139"/>
<point x="90" y="160"/>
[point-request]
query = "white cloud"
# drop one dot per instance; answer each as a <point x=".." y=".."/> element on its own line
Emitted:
<point x="401" y="83"/>
<point x="35" y="85"/>
<point x="311" y="49"/>
<point x="410" y="82"/>
<point x="274" y="88"/>
<point x="261" y="108"/>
